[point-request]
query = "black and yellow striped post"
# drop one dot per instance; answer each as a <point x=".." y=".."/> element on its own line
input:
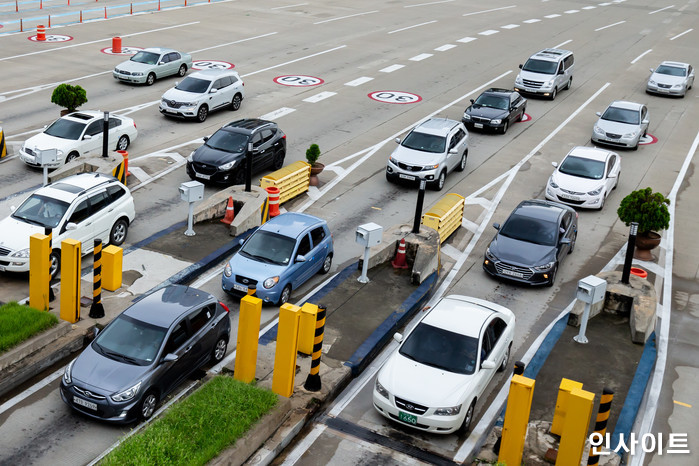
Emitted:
<point x="313" y="380"/>
<point x="48" y="233"/>
<point x="97" y="310"/>
<point x="3" y="147"/>
<point x="264" y="210"/>
<point x="605" y="405"/>
<point x="119" y="172"/>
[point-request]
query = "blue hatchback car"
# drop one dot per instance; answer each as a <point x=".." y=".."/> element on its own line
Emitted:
<point x="279" y="257"/>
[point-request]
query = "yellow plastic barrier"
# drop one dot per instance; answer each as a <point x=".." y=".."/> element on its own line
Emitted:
<point x="446" y="215"/>
<point x="71" y="258"/>
<point x="559" y="415"/>
<point x="112" y="267"/>
<point x="291" y="180"/>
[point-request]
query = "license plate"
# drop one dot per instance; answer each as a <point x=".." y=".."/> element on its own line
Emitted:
<point x="570" y="198"/>
<point x="85" y="403"/>
<point x="478" y="125"/>
<point x="167" y="110"/>
<point x="513" y="273"/>
<point x="203" y="177"/>
<point x="406" y="177"/>
<point x="408" y="418"/>
<point x="242" y="288"/>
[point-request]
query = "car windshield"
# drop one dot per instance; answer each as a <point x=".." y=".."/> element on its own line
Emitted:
<point x="196" y="85"/>
<point x="268" y="247"/>
<point x="130" y="340"/>
<point x="425" y="142"/>
<point x="228" y="141"/>
<point x="540" y="66"/>
<point x="671" y="70"/>
<point x="531" y="230"/>
<point x="493" y="101"/>
<point x="622" y="115"/>
<point x="582" y="167"/>
<point x="149" y="58"/>
<point x="41" y="210"/>
<point x="441" y="349"/>
<point x="65" y="129"/>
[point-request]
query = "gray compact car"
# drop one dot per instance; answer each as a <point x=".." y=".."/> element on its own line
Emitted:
<point x="671" y="78"/>
<point x="153" y="63"/>
<point x="622" y="125"/>
<point x="145" y="353"/>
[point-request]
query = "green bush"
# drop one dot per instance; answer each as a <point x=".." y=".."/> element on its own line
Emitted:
<point x="19" y="323"/>
<point x="647" y="208"/>
<point x="70" y="97"/>
<point x="313" y="154"/>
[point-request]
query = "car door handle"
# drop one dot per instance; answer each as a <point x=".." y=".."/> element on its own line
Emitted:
<point x="88" y="224"/>
<point x="110" y="210"/>
<point x="186" y="350"/>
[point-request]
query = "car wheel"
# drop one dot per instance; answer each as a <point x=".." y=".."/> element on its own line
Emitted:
<point x="572" y="243"/>
<point x="123" y="142"/>
<point x="503" y="366"/>
<point x="284" y="297"/>
<point x="72" y="156"/>
<point x="466" y="425"/>
<point x="504" y="126"/>
<point x="570" y="82"/>
<point x="462" y="164"/>
<point x="552" y="276"/>
<point x="389" y="178"/>
<point x="618" y="175"/>
<point x="278" y="161"/>
<point x="119" y="231"/>
<point x="147" y="406"/>
<point x="239" y="177"/>
<point x="202" y="113"/>
<point x="604" y="199"/>
<point x="182" y="71"/>
<point x="150" y="79"/>
<point x="235" y="103"/>
<point x="554" y="92"/>
<point x="327" y="263"/>
<point x="439" y="184"/>
<point x="54" y="262"/>
<point x="219" y="350"/>
<point x="635" y="147"/>
<point x="521" y="116"/>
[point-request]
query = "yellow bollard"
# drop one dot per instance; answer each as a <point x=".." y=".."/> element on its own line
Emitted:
<point x="112" y="267"/>
<point x="248" y="339"/>
<point x="3" y="147"/>
<point x="514" y="429"/>
<point x="39" y="276"/>
<point x="71" y="259"/>
<point x="579" y="409"/>
<point x="287" y="346"/>
<point x="559" y="415"/>
<point x="307" y="329"/>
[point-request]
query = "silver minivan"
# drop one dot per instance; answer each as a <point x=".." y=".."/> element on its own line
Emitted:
<point x="546" y="73"/>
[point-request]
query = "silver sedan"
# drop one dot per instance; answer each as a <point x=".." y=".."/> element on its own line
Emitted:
<point x="671" y="78"/>
<point x="153" y="63"/>
<point x="622" y="125"/>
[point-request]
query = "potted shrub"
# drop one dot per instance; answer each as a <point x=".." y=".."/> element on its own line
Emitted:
<point x="68" y="96"/>
<point x="650" y="211"/>
<point x="312" y="156"/>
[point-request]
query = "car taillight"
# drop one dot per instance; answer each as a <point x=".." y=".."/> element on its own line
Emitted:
<point x="225" y="308"/>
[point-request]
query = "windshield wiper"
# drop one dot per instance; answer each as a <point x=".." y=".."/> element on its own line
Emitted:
<point x="116" y="355"/>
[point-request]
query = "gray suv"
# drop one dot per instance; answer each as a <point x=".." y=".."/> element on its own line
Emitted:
<point x="145" y="353"/>
<point x="546" y="73"/>
<point x="431" y="151"/>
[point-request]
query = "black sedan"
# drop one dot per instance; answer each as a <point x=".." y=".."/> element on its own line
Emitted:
<point x="495" y="109"/>
<point x="535" y="238"/>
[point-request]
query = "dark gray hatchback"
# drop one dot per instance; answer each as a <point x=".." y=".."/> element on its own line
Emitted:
<point x="146" y="352"/>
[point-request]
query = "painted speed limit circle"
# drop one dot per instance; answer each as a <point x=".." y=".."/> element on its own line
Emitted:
<point x="52" y="38"/>
<point x="298" y="80"/>
<point x="395" y="97"/>
<point x="647" y="139"/>
<point x="124" y="51"/>
<point x="525" y="117"/>
<point x="212" y="65"/>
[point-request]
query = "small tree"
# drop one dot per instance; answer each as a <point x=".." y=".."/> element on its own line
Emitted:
<point x="647" y="208"/>
<point x="70" y="97"/>
<point x="313" y="154"/>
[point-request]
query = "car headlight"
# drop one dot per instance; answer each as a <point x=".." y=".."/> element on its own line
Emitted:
<point x="545" y="267"/>
<point x="67" y="379"/>
<point x="393" y="161"/>
<point x="632" y="134"/>
<point x="270" y="282"/>
<point x="227" y="270"/>
<point x="595" y="192"/>
<point x="191" y="157"/>
<point x="490" y="255"/>
<point x="652" y="82"/>
<point x="677" y="86"/>
<point x="381" y="389"/>
<point x="227" y="166"/>
<point x="127" y="394"/>
<point x="21" y="253"/>
<point x="553" y="183"/>
<point x="453" y="411"/>
<point x="598" y="130"/>
<point x="518" y="80"/>
<point x="467" y="116"/>
<point x="59" y="152"/>
<point x="430" y="167"/>
<point x="137" y="73"/>
<point x="497" y="121"/>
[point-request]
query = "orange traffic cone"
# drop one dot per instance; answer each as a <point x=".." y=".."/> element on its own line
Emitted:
<point x="400" y="262"/>
<point x="230" y="212"/>
<point x="273" y="196"/>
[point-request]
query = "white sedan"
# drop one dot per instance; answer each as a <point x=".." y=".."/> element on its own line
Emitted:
<point x="585" y="177"/>
<point x="77" y="134"/>
<point x="434" y="379"/>
<point x="671" y="78"/>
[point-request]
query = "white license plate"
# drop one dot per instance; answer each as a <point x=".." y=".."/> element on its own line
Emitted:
<point x="242" y="288"/>
<point x="203" y="177"/>
<point x="174" y="112"/>
<point x="85" y="403"/>
<point x="570" y="198"/>
<point x="513" y="273"/>
<point x="406" y="177"/>
<point x="478" y="125"/>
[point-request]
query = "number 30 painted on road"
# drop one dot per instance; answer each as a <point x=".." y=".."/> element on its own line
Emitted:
<point x="395" y="97"/>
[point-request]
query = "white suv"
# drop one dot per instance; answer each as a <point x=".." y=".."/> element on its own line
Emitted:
<point x="202" y="92"/>
<point x="546" y="73"/>
<point x="83" y="207"/>
<point x="430" y="151"/>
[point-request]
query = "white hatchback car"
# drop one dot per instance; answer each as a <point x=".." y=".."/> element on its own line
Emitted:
<point x="622" y="124"/>
<point x="440" y="370"/>
<point x="76" y="134"/>
<point x="83" y="207"/>
<point x="585" y="177"/>
<point x="202" y="92"/>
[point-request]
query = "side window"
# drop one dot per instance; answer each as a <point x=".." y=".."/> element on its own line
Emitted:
<point x="99" y="201"/>
<point x="177" y="337"/>
<point x="644" y="113"/>
<point x="256" y="140"/>
<point x="233" y="79"/>
<point x="199" y="318"/>
<point x="226" y="81"/>
<point x="218" y="84"/>
<point x="115" y="192"/>
<point x="165" y="58"/>
<point x="173" y="56"/>
<point x="94" y="128"/>
<point x="317" y="235"/>
<point x="560" y="66"/>
<point x="565" y="223"/>
<point x="612" y="161"/>
<point x="456" y="138"/>
<point x="304" y="246"/>
<point x="80" y="213"/>
<point x="267" y="134"/>
<point x="114" y="122"/>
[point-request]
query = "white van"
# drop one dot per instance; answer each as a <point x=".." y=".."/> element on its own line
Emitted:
<point x="546" y="73"/>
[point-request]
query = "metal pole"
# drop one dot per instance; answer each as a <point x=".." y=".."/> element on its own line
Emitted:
<point x="46" y="175"/>
<point x="365" y="265"/>
<point x="418" y="207"/>
<point x="105" y="135"/>
<point x="190" y="220"/>
<point x="629" y="253"/>
<point x="580" y="337"/>
<point x="248" y="168"/>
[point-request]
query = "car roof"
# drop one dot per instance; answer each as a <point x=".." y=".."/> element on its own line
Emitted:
<point x="676" y="63"/>
<point x="213" y="74"/>
<point x="291" y="224"/>
<point x="540" y="209"/>
<point x="551" y="54"/>
<point x="159" y="49"/>
<point x="449" y="314"/>
<point x="67" y="189"/>
<point x="164" y="306"/>
<point x="248" y="125"/>
<point x="626" y="105"/>
<point x="590" y="153"/>
<point x="438" y="126"/>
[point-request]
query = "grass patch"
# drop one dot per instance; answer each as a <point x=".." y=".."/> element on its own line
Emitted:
<point x="197" y="429"/>
<point x="19" y="323"/>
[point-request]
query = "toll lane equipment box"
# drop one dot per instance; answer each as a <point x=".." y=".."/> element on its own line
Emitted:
<point x="192" y="191"/>
<point x="369" y="234"/>
<point x="591" y="289"/>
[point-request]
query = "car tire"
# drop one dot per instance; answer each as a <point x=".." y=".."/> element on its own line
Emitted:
<point x="202" y="113"/>
<point x="602" y="202"/>
<point x="466" y="425"/>
<point x="182" y="71"/>
<point x="616" y="183"/>
<point x="521" y="116"/>
<point x="123" y="142"/>
<point x="439" y="184"/>
<point x="635" y="147"/>
<point x="389" y="178"/>
<point x="278" y="161"/>
<point x="72" y="156"/>
<point x="462" y="163"/>
<point x="505" y="360"/>
<point x="285" y="295"/>
<point x="235" y="103"/>
<point x="327" y="264"/>
<point x="219" y="351"/>
<point x="147" y="405"/>
<point x="54" y="263"/>
<point x="552" y="277"/>
<point x="572" y="243"/>
<point x="120" y="229"/>
<point x="505" y="126"/>
<point x="554" y="93"/>
<point x="570" y="83"/>
<point x="150" y="79"/>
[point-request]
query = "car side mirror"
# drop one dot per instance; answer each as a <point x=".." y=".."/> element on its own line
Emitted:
<point x="95" y="332"/>
<point x="496" y="225"/>
<point x="453" y="151"/>
<point x="70" y="226"/>
<point x="177" y="83"/>
<point x="213" y="91"/>
<point x="161" y="63"/>
<point x="487" y="365"/>
<point x="206" y="138"/>
<point x="611" y="175"/>
<point x="652" y="70"/>
<point x="645" y="122"/>
<point x="300" y="258"/>
<point x="397" y="140"/>
<point x="599" y="114"/>
<point x="472" y="101"/>
<point x="560" y="72"/>
<point x="520" y="66"/>
<point x="170" y="357"/>
<point x="12" y="208"/>
<point x="87" y="137"/>
<point x="241" y="241"/>
<point x="398" y="337"/>
<point x="565" y="241"/>
<point x="555" y="164"/>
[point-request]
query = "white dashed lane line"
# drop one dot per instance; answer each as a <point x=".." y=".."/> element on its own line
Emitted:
<point x="466" y="40"/>
<point x="445" y="47"/>
<point x="571" y="12"/>
<point x="391" y="69"/>
<point x="562" y="44"/>
<point x="489" y="32"/>
<point x="658" y="11"/>
<point x="641" y="56"/>
<point x="611" y="25"/>
<point x="427" y="4"/>
<point x="348" y="16"/>
<point x="488" y="11"/>
<point x="681" y="34"/>
<point x="318" y="97"/>
<point x="359" y="81"/>
<point x="510" y="26"/>
<point x="420" y="57"/>
<point x="552" y="16"/>
<point x="590" y="7"/>
<point x="411" y="27"/>
<point x="277" y="113"/>
<point x="533" y="20"/>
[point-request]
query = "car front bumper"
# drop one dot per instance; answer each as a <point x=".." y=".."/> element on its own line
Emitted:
<point x="584" y="201"/>
<point x="470" y="124"/>
<point x="545" y="91"/>
<point x="232" y="287"/>
<point x="105" y="410"/>
<point x="219" y="177"/>
<point x="182" y="112"/>
<point x="129" y="78"/>
<point x="395" y="172"/>
<point x="516" y="273"/>
<point x="14" y="264"/>
<point x="655" y="89"/>
<point x="617" y="142"/>
<point x="425" y="423"/>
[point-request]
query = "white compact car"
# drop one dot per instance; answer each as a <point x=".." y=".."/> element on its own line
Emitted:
<point x="203" y="92"/>
<point x="585" y="177"/>
<point x="83" y="207"/>
<point x="671" y="78"/>
<point x="77" y="134"/>
<point x="440" y="370"/>
<point x="622" y="124"/>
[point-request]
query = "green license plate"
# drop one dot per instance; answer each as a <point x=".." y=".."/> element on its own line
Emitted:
<point x="409" y="418"/>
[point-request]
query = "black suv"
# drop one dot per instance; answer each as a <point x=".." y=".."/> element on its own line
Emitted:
<point x="221" y="159"/>
<point x="495" y="109"/>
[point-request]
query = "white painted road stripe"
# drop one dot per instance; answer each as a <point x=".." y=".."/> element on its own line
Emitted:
<point x="445" y="47"/>
<point x="640" y="56"/>
<point x="563" y="43"/>
<point x="288" y="6"/>
<point x="277" y="113"/>
<point x="426" y="4"/>
<point x="658" y="11"/>
<point x="391" y="69"/>
<point x="552" y="16"/>
<point x="232" y="43"/>
<point x="533" y="20"/>
<point x="318" y="97"/>
<point x="489" y="32"/>
<point x="589" y="7"/>
<point x="348" y="16"/>
<point x="359" y="81"/>
<point x="139" y="173"/>
<point x="682" y="33"/>
<point x="466" y="40"/>
<point x="413" y="26"/>
<point x="510" y="26"/>
<point x="420" y="57"/>
<point x="571" y="12"/>
<point x="610" y="25"/>
<point x="294" y="61"/>
<point x="488" y="11"/>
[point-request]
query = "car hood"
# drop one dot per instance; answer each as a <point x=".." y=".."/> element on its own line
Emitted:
<point x="541" y="77"/>
<point x="43" y="141"/>
<point x="486" y="112"/>
<point x="209" y="155"/>
<point x="256" y="270"/>
<point x="518" y="252"/>
<point x="416" y="157"/>
<point x="132" y="66"/>
<point x="667" y="79"/>
<point x="15" y="233"/>
<point x="617" y="128"/>
<point x="423" y="384"/>
<point x="575" y="183"/>
<point x="105" y="374"/>
<point x="181" y="96"/>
